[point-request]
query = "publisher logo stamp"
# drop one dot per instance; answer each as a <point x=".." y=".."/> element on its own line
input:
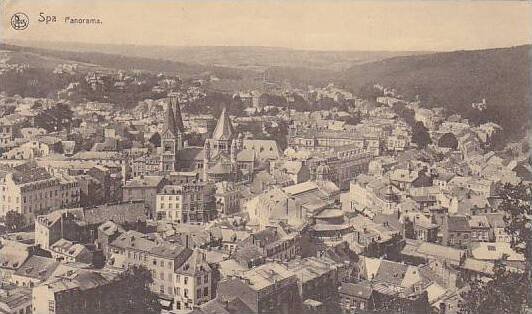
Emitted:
<point x="20" y="21"/>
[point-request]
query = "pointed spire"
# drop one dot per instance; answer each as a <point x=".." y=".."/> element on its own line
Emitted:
<point x="224" y="128"/>
<point x="177" y="115"/>
<point x="169" y="119"/>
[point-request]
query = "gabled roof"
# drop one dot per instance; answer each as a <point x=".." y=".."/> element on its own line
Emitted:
<point x="110" y="228"/>
<point x="194" y="264"/>
<point x="68" y="248"/>
<point x="391" y="272"/>
<point x="145" y="182"/>
<point x="12" y="256"/>
<point x="224" y="128"/>
<point x="247" y="253"/>
<point x="479" y="221"/>
<point x="495" y="251"/>
<point x="134" y="240"/>
<point x="359" y="290"/>
<point x="458" y="224"/>
<point x="119" y="213"/>
<point x="264" y="149"/>
<point x="191" y="153"/>
<point x="246" y="156"/>
<point x="38" y="267"/>
<point x="496" y="220"/>
<point x="220" y="168"/>
<point x="29" y="172"/>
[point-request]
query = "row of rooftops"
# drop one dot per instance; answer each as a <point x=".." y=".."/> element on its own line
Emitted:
<point x="131" y="212"/>
<point x="185" y="260"/>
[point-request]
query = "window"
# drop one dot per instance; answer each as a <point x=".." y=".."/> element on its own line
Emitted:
<point x="206" y="292"/>
<point x="185" y="292"/>
<point x="51" y="306"/>
<point x="198" y="280"/>
<point x="176" y="291"/>
<point x="177" y="278"/>
<point x="162" y="276"/>
<point x="186" y="280"/>
<point x="161" y="289"/>
<point x="198" y="293"/>
<point x="206" y="279"/>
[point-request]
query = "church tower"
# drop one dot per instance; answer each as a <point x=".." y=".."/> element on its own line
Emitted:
<point x="223" y="134"/>
<point x="171" y="137"/>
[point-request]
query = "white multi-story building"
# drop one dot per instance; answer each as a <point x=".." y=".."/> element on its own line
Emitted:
<point x="187" y="203"/>
<point x="179" y="273"/>
<point x="28" y="189"/>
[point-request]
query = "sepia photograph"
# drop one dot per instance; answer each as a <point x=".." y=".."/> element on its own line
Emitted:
<point x="265" y="157"/>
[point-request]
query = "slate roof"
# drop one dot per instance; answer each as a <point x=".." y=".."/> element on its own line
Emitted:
<point x="29" y="172"/>
<point x="14" y="297"/>
<point x="246" y="254"/>
<point x="359" y="290"/>
<point x="426" y="249"/>
<point x="134" y="240"/>
<point x="220" y="168"/>
<point x="246" y="155"/>
<point x="483" y="267"/>
<point x="110" y="228"/>
<point x="191" y="153"/>
<point x="194" y="264"/>
<point x="224" y="128"/>
<point x="266" y="236"/>
<point x="267" y="275"/>
<point x="119" y="213"/>
<point x="169" y="120"/>
<point x="171" y="251"/>
<point x="38" y="267"/>
<point x="68" y="247"/>
<point x="177" y="114"/>
<point x="145" y="181"/>
<point x="494" y="251"/>
<point x="391" y="272"/>
<point x="479" y="221"/>
<point x="496" y="220"/>
<point x="457" y="224"/>
<point x="264" y="149"/>
<point x="13" y="256"/>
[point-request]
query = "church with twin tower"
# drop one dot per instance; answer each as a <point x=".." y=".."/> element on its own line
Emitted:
<point x="222" y="158"/>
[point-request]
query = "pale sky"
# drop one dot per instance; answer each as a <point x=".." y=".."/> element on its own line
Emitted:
<point x="316" y="25"/>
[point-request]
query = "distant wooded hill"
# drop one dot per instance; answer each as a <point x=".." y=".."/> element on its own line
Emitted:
<point x="50" y="57"/>
<point x="451" y="79"/>
<point x="456" y="79"/>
